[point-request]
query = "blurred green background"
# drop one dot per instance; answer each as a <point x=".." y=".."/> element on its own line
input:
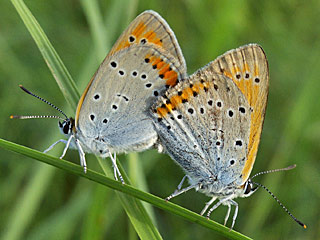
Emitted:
<point x="40" y="202"/>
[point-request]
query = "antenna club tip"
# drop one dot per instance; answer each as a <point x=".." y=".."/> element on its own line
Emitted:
<point x="11" y="117"/>
<point x="20" y="85"/>
<point x="304" y="226"/>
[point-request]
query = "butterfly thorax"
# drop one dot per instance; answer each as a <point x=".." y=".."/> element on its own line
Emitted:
<point x="214" y="188"/>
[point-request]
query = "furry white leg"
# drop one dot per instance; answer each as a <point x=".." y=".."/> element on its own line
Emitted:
<point x="181" y="183"/>
<point x="115" y="168"/>
<point x="235" y="213"/>
<point x="208" y="205"/>
<point x="176" y="193"/>
<point x="49" y="148"/>
<point x="223" y="200"/>
<point x="227" y="215"/>
<point x="67" y="146"/>
<point x="82" y="156"/>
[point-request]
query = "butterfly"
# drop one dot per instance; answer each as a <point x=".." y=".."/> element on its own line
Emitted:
<point x="112" y="115"/>
<point x="211" y="123"/>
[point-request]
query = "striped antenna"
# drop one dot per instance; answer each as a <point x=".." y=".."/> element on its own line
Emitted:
<point x="43" y="100"/>
<point x="34" y="117"/>
<point x="278" y="201"/>
<point x="274" y="170"/>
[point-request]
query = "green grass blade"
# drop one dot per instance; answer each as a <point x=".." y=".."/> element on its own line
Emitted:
<point x="51" y="57"/>
<point x="28" y="202"/>
<point x="123" y="191"/>
<point x="96" y="25"/>
<point x="64" y="220"/>
<point x="136" y="212"/>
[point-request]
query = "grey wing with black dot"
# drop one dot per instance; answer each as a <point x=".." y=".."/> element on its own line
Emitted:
<point x="203" y="124"/>
<point x="116" y="106"/>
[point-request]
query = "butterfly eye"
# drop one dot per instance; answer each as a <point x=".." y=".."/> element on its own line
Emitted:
<point x="248" y="189"/>
<point x="65" y="127"/>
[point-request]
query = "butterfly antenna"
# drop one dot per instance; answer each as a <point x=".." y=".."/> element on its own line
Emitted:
<point x="278" y="201"/>
<point x="274" y="170"/>
<point x="43" y="100"/>
<point x="34" y="117"/>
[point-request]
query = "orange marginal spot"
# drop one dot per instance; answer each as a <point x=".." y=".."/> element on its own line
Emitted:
<point x="162" y="111"/>
<point x="255" y="94"/>
<point x="161" y="64"/>
<point x="205" y="84"/>
<point x="246" y="67"/>
<point x="169" y="107"/>
<point x="241" y="86"/>
<point x="151" y="57"/>
<point x="122" y="45"/>
<point x="248" y="91"/>
<point x="155" y="61"/>
<point x="175" y="101"/>
<point x="139" y="30"/>
<point x="158" y="42"/>
<point x="164" y="69"/>
<point x="235" y="70"/>
<point x="151" y="36"/>
<point x="171" y="77"/>
<point x="136" y="32"/>
<point x="197" y="87"/>
<point x="256" y="70"/>
<point x="227" y="74"/>
<point x="186" y="93"/>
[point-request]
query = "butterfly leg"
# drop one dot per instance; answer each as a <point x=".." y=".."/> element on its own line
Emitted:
<point x="115" y="167"/>
<point x="229" y="202"/>
<point x="115" y="173"/>
<point x="176" y="193"/>
<point x="235" y="212"/>
<point x="180" y="185"/>
<point x="227" y="215"/>
<point x="49" y="148"/>
<point x="224" y="201"/>
<point x="208" y="205"/>
<point x="82" y="156"/>
<point x="66" y="147"/>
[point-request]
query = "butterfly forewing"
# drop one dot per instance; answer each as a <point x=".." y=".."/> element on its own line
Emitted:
<point x="114" y="108"/>
<point x="150" y="28"/>
<point x="247" y="66"/>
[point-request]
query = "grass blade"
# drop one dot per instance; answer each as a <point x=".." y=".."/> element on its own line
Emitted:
<point x="51" y="57"/>
<point x="124" y="190"/>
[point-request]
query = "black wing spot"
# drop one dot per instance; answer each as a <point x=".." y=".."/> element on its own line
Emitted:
<point x="132" y="39"/>
<point x="113" y="64"/>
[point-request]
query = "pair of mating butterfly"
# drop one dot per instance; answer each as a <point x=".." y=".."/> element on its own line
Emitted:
<point x="210" y="122"/>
